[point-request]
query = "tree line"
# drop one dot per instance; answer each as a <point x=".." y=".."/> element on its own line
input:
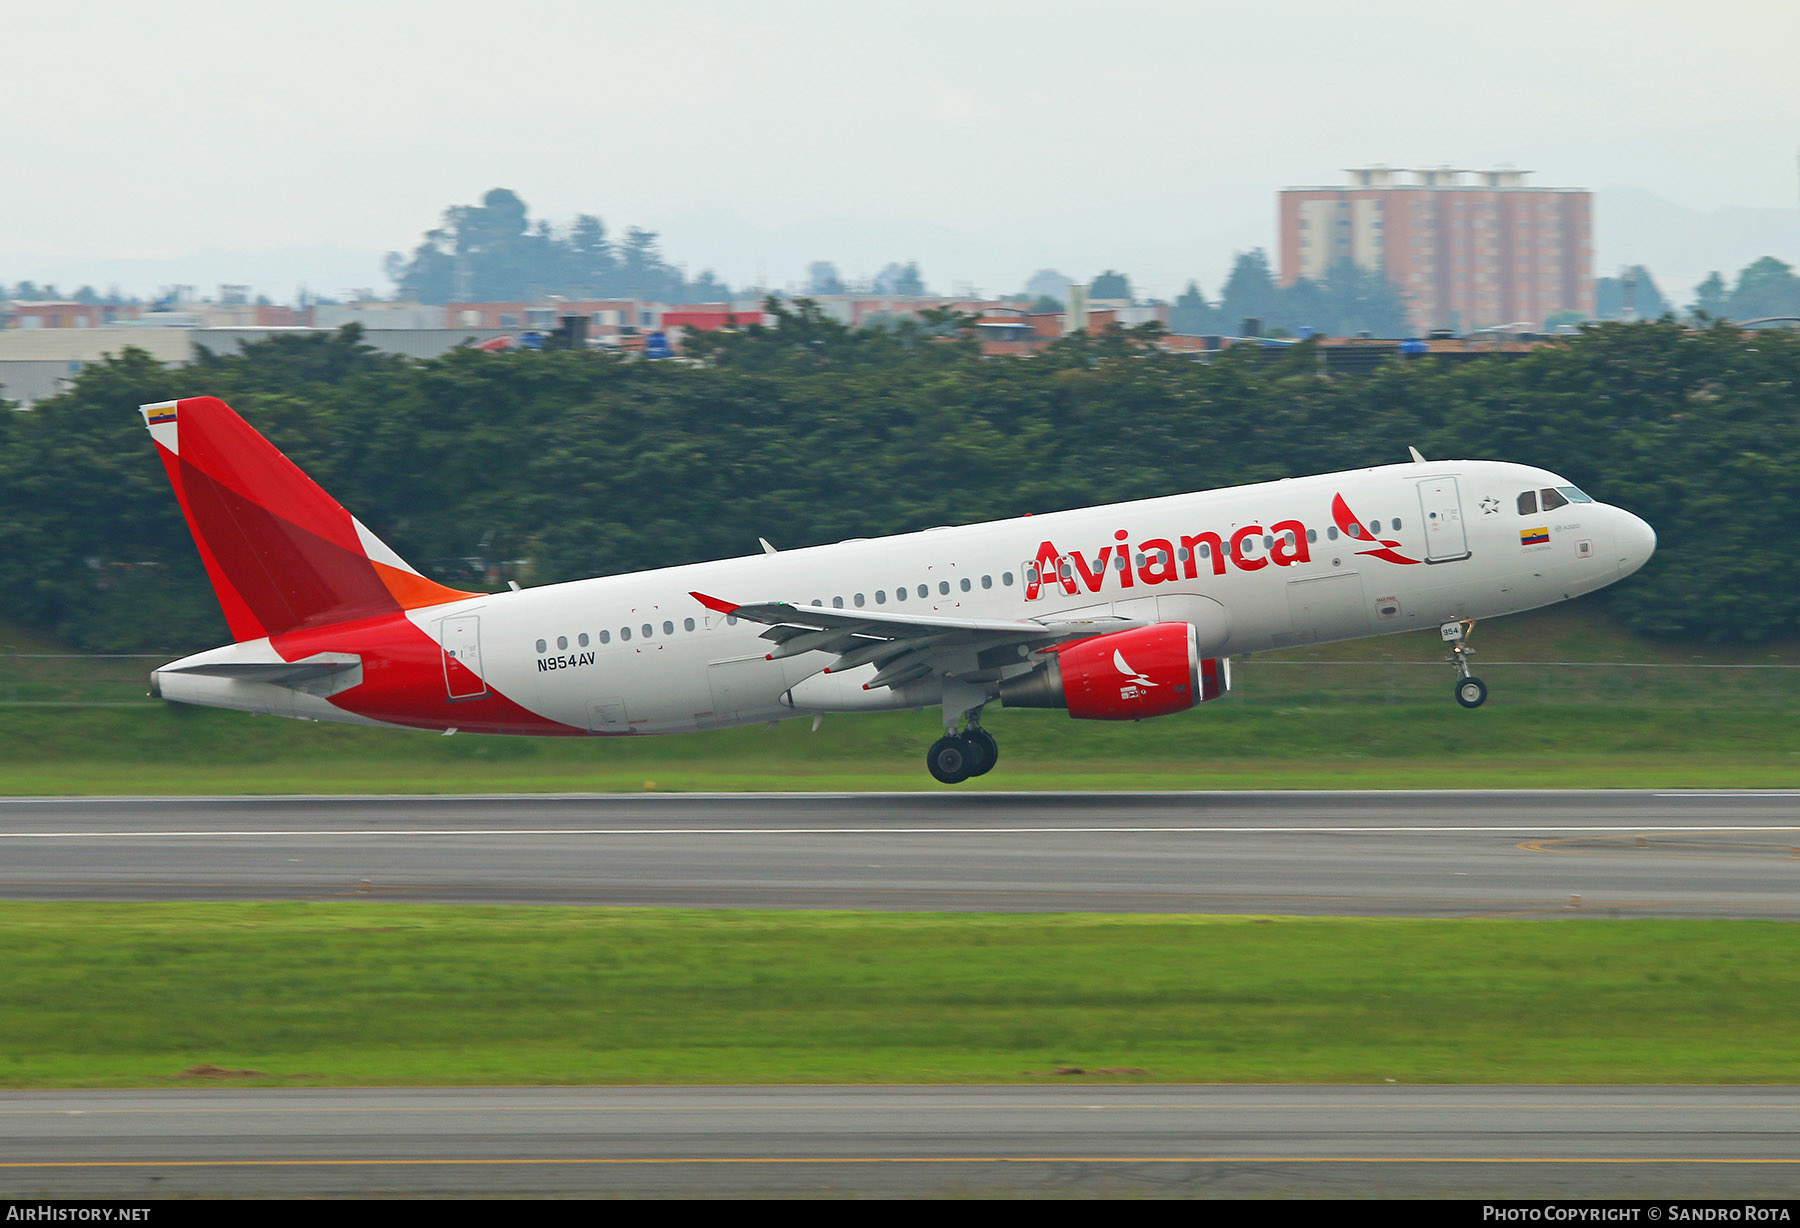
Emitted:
<point x="494" y="252"/>
<point x="482" y="467"/>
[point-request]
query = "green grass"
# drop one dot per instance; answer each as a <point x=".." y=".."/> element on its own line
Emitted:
<point x="1303" y="744"/>
<point x="1295" y="720"/>
<point x="343" y="994"/>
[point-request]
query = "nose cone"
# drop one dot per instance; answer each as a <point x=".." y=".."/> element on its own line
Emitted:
<point x="1636" y="541"/>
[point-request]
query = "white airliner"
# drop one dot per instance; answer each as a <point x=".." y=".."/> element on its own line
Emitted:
<point x="1115" y="613"/>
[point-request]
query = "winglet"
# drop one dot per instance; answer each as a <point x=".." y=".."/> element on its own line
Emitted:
<point x="714" y="604"/>
<point x="1415" y="455"/>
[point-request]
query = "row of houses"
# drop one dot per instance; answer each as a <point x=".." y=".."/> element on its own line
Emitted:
<point x="44" y="347"/>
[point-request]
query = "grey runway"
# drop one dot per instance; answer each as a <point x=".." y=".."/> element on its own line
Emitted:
<point x="1549" y="854"/>
<point x="1540" y="1142"/>
<point x="1722" y="854"/>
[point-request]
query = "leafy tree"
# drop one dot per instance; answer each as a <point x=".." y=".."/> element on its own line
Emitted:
<point x="1765" y="288"/>
<point x="900" y="279"/>
<point x="494" y="251"/>
<point x="1049" y="283"/>
<point x="1192" y="314"/>
<point x="1249" y="290"/>
<point x="1647" y="302"/>
<point x="582" y="463"/>
<point x="1111" y="284"/>
<point x="1350" y="300"/>
<point x="1710" y="297"/>
<point x="822" y="278"/>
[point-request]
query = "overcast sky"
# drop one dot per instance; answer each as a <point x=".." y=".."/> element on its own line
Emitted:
<point x="985" y="140"/>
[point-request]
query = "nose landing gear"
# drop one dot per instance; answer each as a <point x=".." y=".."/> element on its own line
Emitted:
<point x="1471" y="692"/>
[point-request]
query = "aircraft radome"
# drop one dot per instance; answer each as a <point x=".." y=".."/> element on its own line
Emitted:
<point x="1120" y="612"/>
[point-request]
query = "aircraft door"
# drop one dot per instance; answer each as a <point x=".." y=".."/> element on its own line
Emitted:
<point x="608" y="716"/>
<point x="460" y="639"/>
<point x="742" y="687"/>
<point x="1440" y="509"/>
<point x="1328" y="608"/>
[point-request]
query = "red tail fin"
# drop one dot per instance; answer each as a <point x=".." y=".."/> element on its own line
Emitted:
<point x="282" y="554"/>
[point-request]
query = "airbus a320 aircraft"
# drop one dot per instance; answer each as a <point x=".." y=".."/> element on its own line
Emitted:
<point x="1119" y="612"/>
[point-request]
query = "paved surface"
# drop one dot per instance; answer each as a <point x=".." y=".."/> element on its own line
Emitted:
<point x="1536" y="1142"/>
<point x="1610" y="853"/>
<point x="1725" y="854"/>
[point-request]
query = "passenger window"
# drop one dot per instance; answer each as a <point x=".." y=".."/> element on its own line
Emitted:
<point x="1006" y="578"/>
<point x="541" y="646"/>
<point x="687" y="624"/>
<point x="900" y="593"/>
<point x="837" y="603"/>
<point x="881" y="596"/>
<point x="1396" y="524"/>
<point x="562" y="643"/>
<point x="624" y="633"/>
<point x="1528" y="503"/>
<point x="924" y="591"/>
<point x="1119" y="563"/>
<point x="731" y="620"/>
<point x="649" y="630"/>
<point x="669" y="628"/>
<point x="606" y="637"/>
<point x="859" y="601"/>
<point x="965" y="584"/>
<point x="987" y="582"/>
<point x="943" y="588"/>
<point x="1182" y="554"/>
<point x="1552" y="500"/>
<point x="582" y="639"/>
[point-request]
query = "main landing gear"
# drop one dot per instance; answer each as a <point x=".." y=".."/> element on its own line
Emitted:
<point x="955" y="757"/>
<point x="1471" y="692"/>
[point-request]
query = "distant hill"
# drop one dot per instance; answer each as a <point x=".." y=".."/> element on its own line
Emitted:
<point x="1680" y="246"/>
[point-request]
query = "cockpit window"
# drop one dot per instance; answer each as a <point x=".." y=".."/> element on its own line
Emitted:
<point x="1528" y="503"/>
<point x="1574" y="494"/>
<point x="1552" y="500"/>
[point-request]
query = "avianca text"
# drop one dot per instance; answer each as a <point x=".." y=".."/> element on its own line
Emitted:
<point x="1162" y="563"/>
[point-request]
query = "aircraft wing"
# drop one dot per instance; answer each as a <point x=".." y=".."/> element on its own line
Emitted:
<point x="903" y="647"/>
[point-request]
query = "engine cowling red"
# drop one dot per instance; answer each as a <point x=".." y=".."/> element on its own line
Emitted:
<point x="1124" y="676"/>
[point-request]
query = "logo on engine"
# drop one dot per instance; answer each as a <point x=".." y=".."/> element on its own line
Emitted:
<point x="1136" y="684"/>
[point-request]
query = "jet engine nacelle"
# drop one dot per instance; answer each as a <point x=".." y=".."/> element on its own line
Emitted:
<point x="1124" y="676"/>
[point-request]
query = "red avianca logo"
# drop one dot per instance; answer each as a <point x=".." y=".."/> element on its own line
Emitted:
<point x="1160" y="562"/>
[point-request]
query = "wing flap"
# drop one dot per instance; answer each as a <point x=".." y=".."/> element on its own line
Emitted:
<point x="905" y="646"/>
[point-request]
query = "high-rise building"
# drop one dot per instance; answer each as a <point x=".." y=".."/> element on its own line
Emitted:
<point x="1468" y="249"/>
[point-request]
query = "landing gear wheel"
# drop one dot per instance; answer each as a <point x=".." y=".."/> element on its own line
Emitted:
<point x="984" y="752"/>
<point x="1471" y="692"/>
<point x="950" y="759"/>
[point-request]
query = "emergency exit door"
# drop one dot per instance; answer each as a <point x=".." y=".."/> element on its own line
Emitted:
<point x="461" y="642"/>
<point x="1440" y="510"/>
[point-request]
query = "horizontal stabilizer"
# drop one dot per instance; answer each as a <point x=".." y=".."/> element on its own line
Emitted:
<point x="278" y="673"/>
